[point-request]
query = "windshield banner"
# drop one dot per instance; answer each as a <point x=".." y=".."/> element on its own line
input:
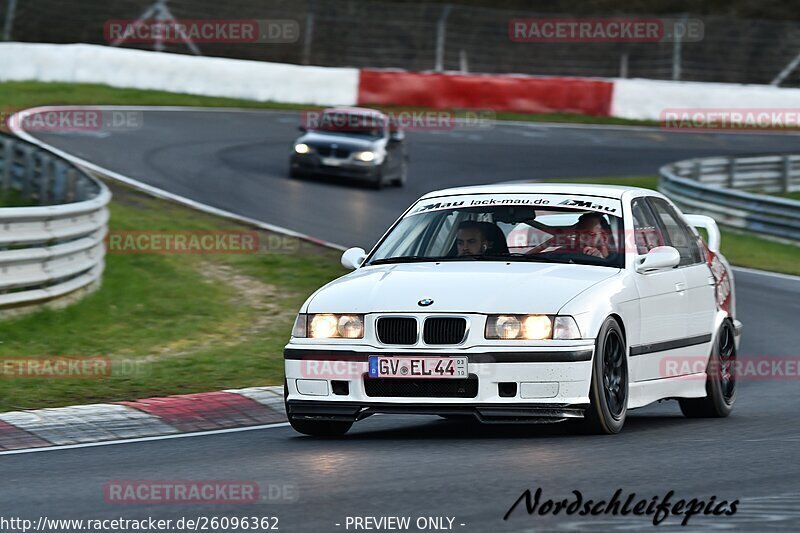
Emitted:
<point x="607" y="206"/>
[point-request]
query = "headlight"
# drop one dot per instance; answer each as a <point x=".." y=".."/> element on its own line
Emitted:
<point x="301" y="148"/>
<point x="329" y="326"/>
<point x="531" y="327"/>
<point x="364" y="156"/>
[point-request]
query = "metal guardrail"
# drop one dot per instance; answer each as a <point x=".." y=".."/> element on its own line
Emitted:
<point x="724" y="189"/>
<point x="56" y="247"/>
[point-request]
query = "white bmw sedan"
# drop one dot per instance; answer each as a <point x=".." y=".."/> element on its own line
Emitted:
<point x="521" y="303"/>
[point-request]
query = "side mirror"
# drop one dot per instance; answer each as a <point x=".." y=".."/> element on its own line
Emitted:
<point x="658" y="258"/>
<point x="353" y="258"/>
<point x="396" y="136"/>
<point x="708" y="224"/>
<point x="302" y="129"/>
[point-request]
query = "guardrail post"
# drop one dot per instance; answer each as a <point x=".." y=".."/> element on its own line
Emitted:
<point x="80" y="190"/>
<point x="8" y="25"/>
<point x="59" y="182"/>
<point x="308" y="37"/>
<point x="46" y="183"/>
<point x="441" y="36"/>
<point x="8" y="162"/>
<point x="731" y="172"/>
<point x="70" y="192"/>
<point x="786" y="174"/>
<point x="28" y="173"/>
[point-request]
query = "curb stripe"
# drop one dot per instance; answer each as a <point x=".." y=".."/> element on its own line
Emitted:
<point x="134" y="421"/>
<point x="14" y="438"/>
<point x="207" y="411"/>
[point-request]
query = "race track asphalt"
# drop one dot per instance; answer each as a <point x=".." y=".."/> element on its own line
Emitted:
<point x="425" y="466"/>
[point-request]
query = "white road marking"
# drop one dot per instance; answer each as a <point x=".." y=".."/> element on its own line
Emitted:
<point x="788" y="277"/>
<point x="144" y="439"/>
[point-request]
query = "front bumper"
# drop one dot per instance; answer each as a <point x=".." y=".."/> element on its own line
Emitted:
<point x="535" y="385"/>
<point x="487" y="414"/>
<point x="312" y="164"/>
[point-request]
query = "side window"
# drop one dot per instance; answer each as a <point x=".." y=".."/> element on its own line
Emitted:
<point x="677" y="232"/>
<point x="646" y="233"/>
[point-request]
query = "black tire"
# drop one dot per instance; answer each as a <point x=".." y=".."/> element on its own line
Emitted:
<point x="403" y="177"/>
<point x="721" y="380"/>
<point x="295" y="173"/>
<point x="377" y="184"/>
<point x="608" y="394"/>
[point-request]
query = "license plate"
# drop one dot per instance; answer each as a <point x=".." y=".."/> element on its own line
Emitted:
<point x="331" y="162"/>
<point x="417" y="367"/>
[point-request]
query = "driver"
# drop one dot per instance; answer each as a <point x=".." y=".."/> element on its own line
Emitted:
<point x="471" y="239"/>
<point x="593" y="232"/>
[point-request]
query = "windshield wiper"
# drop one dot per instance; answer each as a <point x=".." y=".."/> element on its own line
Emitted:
<point x="517" y="256"/>
<point x="400" y="259"/>
<point x="421" y="259"/>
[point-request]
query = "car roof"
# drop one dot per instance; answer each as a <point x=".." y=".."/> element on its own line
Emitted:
<point x="354" y="111"/>
<point x="588" y="189"/>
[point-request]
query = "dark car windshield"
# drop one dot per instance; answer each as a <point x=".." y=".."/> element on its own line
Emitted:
<point x="515" y="232"/>
<point x="362" y="125"/>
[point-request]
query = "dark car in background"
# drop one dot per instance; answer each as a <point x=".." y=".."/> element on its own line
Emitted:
<point x="350" y="142"/>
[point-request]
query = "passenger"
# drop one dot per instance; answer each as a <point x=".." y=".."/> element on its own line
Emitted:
<point x="593" y="233"/>
<point x="471" y="239"/>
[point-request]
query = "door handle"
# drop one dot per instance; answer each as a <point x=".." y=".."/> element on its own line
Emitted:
<point x="680" y="287"/>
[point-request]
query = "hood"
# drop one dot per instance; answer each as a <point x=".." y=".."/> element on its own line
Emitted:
<point x="347" y="142"/>
<point x="458" y="287"/>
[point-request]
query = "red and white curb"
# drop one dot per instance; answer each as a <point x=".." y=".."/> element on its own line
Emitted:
<point x="151" y="417"/>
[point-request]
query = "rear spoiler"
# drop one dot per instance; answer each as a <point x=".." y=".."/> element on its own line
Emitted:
<point x="708" y="224"/>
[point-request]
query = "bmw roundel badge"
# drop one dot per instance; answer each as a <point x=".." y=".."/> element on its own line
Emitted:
<point x="425" y="302"/>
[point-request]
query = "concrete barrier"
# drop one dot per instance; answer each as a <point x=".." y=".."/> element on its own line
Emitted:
<point x="206" y="76"/>
<point x="520" y="94"/>
<point x="261" y="81"/>
<point x="648" y="99"/>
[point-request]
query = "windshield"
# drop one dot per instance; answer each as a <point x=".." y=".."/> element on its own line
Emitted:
<point x="534" y="228"/>
<point x="362" y="125"/>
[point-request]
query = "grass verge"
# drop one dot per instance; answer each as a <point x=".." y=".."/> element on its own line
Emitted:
<point x="741" y="248"/>
<point x="12" y="198"/>
<point x="790" y="195"/>
<point x="170" y="324"/>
